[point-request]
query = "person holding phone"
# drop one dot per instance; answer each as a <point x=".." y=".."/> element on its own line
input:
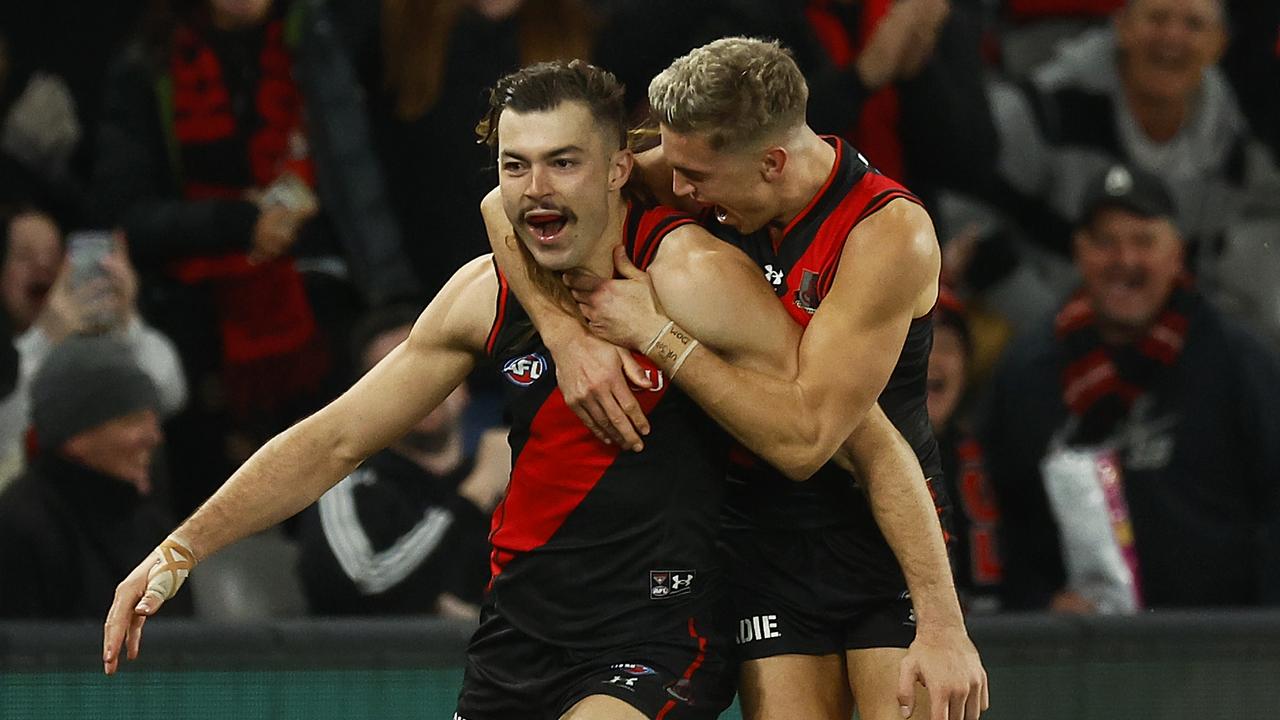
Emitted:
<point x="94" y="292"/>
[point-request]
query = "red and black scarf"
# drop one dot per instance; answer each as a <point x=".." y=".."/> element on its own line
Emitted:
<point x="270" y="344"/>
<point x="876" y="132"/>
<point x="1102" y="381"/>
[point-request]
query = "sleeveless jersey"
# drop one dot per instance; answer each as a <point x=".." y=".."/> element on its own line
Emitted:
<point x="594" y="546"/>
<point x="801" y="266"/>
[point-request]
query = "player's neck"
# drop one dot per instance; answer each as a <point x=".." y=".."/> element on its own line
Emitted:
<point x="600" y="261"/>
<point x="808" y="167"/>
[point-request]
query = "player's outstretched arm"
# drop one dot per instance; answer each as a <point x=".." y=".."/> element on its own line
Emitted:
<point x="942" y="657"/>
<point x="296" y="467"/>
<point x="592" y="374"/>
<point x="887" y="275"/>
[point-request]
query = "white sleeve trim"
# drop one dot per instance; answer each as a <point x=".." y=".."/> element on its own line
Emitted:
<point x="372" y="572"/>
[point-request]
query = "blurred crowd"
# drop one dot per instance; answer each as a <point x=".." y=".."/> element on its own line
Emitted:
<point x="216" y="214"/>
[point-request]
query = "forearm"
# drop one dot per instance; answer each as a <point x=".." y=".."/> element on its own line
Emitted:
<point x="166" y="228"/>
<point x="787" y="422"/>
<point x="905" y="512"/>
<point x="284" y="476"/>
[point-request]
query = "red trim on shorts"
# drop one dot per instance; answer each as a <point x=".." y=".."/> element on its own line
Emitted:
<point x="689" y="671"/>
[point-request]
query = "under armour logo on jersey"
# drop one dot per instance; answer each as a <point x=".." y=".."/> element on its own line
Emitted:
<point x="525" y="371"/>
<point x="620" y="681"/>
<point x="773" y="276"/>
<point x="758" y="627"/>
<point x="664" y="584"/>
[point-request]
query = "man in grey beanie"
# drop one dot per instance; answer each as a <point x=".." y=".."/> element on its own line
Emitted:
<point x="83" y="511"/>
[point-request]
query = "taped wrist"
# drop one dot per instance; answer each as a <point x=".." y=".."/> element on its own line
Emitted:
<point x="174" y="561"/>
<point x="671" y="348"/>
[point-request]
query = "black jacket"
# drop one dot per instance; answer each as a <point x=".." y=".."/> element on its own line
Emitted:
<point x="1201" y="470"/>
<point x="68" y="535"/>
<point x="390" y="538"/>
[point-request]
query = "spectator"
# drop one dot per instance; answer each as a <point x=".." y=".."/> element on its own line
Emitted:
<point x="1140" y="377"/>
<point x="32" y="255"/>
<point x="46" y="304"/>
<point x="204" y="159"/>
<point x="84" y="511"/>
<point x="407" y="532"/>
<point x="1146" y="91"/>
<point x="974" y="517"/>
<point x="880" y="73"/>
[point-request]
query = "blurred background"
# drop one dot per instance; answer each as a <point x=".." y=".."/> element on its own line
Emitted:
<point x="217" y="214"/>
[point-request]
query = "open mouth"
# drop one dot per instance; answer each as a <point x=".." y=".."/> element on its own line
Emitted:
<point x="546" y="225"/>
<point x="722" y="215"/>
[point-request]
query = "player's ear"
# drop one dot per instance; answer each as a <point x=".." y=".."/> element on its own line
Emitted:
<point x="772" y="163"/>
<point x="620" y="166"/>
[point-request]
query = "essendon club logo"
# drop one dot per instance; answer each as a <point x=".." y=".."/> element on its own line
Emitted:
<point x="807" y="296"/>
<point x="525" y="371"/>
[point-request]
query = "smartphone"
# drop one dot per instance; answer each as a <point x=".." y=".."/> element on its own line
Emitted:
<point x="86" y="250"/>
<point x="291" y="192"/>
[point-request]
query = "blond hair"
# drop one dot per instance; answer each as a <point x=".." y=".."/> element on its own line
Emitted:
<point x="737" y="90"/>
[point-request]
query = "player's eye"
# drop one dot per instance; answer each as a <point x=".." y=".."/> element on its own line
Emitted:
<point x="563" y="163"/>
<point x="512" y="167"/>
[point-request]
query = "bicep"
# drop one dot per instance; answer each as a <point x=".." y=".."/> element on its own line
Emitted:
<point x="716" y="292"/>
<point x="888" y="270"/>
<point x="422" y="371"/>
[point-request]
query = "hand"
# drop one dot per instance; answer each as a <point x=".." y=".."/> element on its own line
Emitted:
<point x="63" y="313"/>
<point x="490" y="473"/>
<point x="930" y="15"/>
<point x="879" y="62"/>
<point x="593" y="375"/>
<point x="958" y="253"/>
<point x="42" y="129"/>
<point x="625" y="311"/>
<point x="139" y="596"/>
<point x="124" y="282"/>
<point x="274" y="233"/>
<point x="1070" y="602"/>
<point x="948" y="666"/>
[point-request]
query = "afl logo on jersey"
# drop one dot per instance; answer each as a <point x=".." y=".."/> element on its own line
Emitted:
<point x="525" y="371"/>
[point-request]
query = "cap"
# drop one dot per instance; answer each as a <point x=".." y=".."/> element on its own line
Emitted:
<point x="1128" y="187"/>
<point x="85" y="382"/>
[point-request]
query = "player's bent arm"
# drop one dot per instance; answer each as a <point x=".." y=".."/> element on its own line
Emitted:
<point x="293" y="469"/>
<point x="887" y="275"/>
<point x="715" y="292"/>
<point x="589" y="371"/>
<point x="903" y="507"/>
